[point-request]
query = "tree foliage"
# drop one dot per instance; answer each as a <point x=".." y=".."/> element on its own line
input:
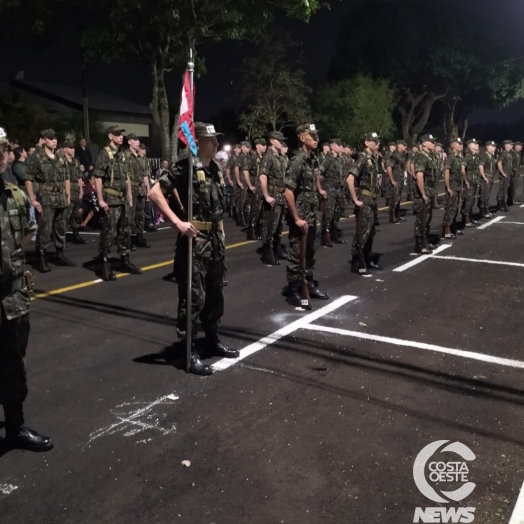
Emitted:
<point x="349" y="108"/>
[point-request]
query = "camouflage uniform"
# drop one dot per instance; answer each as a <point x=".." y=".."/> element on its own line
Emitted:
<point x="257" y="199"/>
<point x="397" y="162"/>
<point x="365" y="170"/>
<point x="471" y="162"/>
<point x="209" y="263"/>
<point x="75" y="175"/>
<point x="138" y="169"/>
<point x="515" y="175"/>
<point x="426" y="163"/>
<point x="112" y="168"/>
<point x="506" y="158"/>
<point x="489" y="162"/>
<point x="234" y="189"/>
<point x="411" y="182"/>
<point x="331" y="171"/>
<point x="454" y="163"/>
<point x="241" y="194"/>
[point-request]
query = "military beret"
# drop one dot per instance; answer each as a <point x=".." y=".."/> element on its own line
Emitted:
<point x="427" y="138"/>
<point x="205" y="130"/>
<point x="49" y="134"/>
<point x="276" y="135"/>
<point x="400" y="143"/>
<point x="472" y="141"/>
<point x="490" y="143"/>
<point x="132" y="136"/>
<point x="68" y="143"/>
<point x="142" y="147"/>
<point x="115" y="130"/>
<point x="371" y="137"/>
<point x="260" y="142"/>
<point x="517" y="143"/>
<point x="306" y="128"/>
<point x="336" y="141"/>
<point x="455" y="140"/>
<point x="506" y="142"/>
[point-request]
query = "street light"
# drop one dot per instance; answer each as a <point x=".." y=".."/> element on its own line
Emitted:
<point x="226" y="148"/>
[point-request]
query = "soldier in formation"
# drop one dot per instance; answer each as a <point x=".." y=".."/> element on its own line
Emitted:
<point x="454" y="183"/>
<point x="396" y="167"/>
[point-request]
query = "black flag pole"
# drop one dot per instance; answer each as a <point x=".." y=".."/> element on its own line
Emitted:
<point x="189" y="301"/>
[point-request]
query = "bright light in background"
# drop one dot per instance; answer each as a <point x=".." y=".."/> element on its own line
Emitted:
<point x="227" y="148"/>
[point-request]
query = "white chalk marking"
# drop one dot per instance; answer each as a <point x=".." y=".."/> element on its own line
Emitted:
<point x="498" y="262"/>
<point x="491" y="222"/>
<point x="283" y="332"/>
<point x="517" y="517"/>
<point x="421" y="258"/>
<point x="7" y="489"/>
<point x="134" y="422"/>
<point x="420" y="345"/>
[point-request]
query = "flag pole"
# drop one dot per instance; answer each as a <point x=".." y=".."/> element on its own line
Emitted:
<point x="189" y="301"/>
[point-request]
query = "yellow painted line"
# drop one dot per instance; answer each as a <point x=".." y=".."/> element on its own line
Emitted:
<point x="160" y="265"/>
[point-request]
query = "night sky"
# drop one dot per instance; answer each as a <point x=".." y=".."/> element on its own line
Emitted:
<point x="131" y="80"/>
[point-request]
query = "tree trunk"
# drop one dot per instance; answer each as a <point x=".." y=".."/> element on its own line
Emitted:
<point x="174" y="139"/>
<point x="157" y="112"/>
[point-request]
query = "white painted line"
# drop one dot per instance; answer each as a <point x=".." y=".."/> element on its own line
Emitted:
<point x="283" y="332"/>
<point x="522" y="205"/>
<point x="518" y="223"/>
<point x="421" y="258"/>
<point x="517" y="517"/>
<point x="420" y="345"/>
<point x="491" y="222"/>
<point x="498" y="262"/>
<point x="7" y="489"/>
<point x="162" y="228"/>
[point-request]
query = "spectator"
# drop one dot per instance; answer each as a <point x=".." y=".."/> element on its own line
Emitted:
<point x="83" y="155"/>
<point x="20" y="166"/>
<point x="8" y="173"/>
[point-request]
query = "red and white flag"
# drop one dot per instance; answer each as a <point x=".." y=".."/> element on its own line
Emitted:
<point x="186" y="129"/>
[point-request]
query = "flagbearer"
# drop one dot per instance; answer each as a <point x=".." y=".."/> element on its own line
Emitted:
<point x="207" y="230"/>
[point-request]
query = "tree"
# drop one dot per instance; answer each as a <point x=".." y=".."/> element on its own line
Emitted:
<point x="271" y="89"/>
<point x="351" y="107"/>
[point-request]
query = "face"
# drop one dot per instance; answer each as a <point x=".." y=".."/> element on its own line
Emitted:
<point x="284" y="149"/>
<point x="50" y="143"/>
<point x="325" y="149"/>
<point x="30" y="151"/>
<point x="429" y="145"/>
<point x="401" y="148"/>
<point x="438" y="149"/>
<point x="165" y="164"/>
<point x="10" y="157"/>
<point x="83" y="142"/>
<point x="309" y="140"/>
<point x="277" y="144"/>
<point x="508" y="147"/>
<point x="491" y="149"/>
<point x="69" y="151"/>
<point x="117" y="138"/>
<point x="415" y="149"/>
<point x="518" y="148"/>
<point x="261" y="148"/>
<point x="3" y="163"/>
<point x="133" y="144"/>
<point x="392" y="148"/>
<point x="372" y="145"/>
<point x="237" y="151"/>
<point x="207" y="146"/>
<point x="335" y="148"/>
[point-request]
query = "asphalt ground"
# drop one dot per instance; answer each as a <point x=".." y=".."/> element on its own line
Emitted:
<point x="321" y="419"/>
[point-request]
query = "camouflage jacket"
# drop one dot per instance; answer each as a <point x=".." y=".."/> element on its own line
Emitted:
<point x="427" y="163"/>
<point x="14" y="225"/>
<point x="454" y="163"/>
<point x="506" y="158"/>
<point x="240" y="162"/>
<point x="301" y="178"/>
<point x="254" y="170"/>
<point x="137" y="172"/>
<point x="112" y="168"/>
<point x="209" y="199"/>
<point x="274" y="167"/>
<point x="331" y="170"/>
<point x="489" y="162"/>
<point x="365" y="170"/>
<point x="472" y="163"/>
<point x="74" y="175"/>
<point x="51" y="175"/>
<point x="397" y="162"/>
<point x="517" y="159"/>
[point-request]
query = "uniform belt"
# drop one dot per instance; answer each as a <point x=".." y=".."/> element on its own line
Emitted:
<point x="136" y="184"/>
<point x="207" y="226"/>
<point x="113" y="192"/>
<point x="54" y="189"/>
<point x="365" y="192"/>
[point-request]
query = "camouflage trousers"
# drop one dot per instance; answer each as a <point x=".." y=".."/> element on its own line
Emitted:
<point x="235" y="198"/>
<point x="115" y="229"/>
<point x="137" y="215"/>
<point x="244" y="202"/>
<point x="485" y="193"/>
<point x="271" y="218"/>
<point x="333" y="207"/>
<point x="451" y="208"/>
<point x="255" y="213"/>
<point x="207" y="285"/>
<point x="366" y="221"/>
<point x="423" y="215"/>
<point x="14" y="336"/>
<point x="513" y="185"/>
<point x="412" y="186"/>
<point x="395" y="193"/>
<point x="470" y="197"/>
<point x="73" y="214"/>
<point x="502" y="194"/>
<point x="293" y="253"/>
<point x="52" y="225"/>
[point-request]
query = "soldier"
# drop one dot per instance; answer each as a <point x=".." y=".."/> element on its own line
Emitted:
<point x="396" y="166"/>
<point x="471" y="172"/>
<point x="138" y="167"/>
<point x="488" y="169"/>
<point x="438" y="175"/>
<point x="454" y="181"/>
<point x="113" y="190"/>
<point x="505" y="167"/>
<point x="365" y="171"/>
<point x="15" y="301"/>
<point x="302" y="202"/>
<point x="255" y="207"/>
<point x="76" y="183"/>
<point x="230" y="173"/>
<point x="425" y="168"/>
<point x="272" y="173"/>
<point x="330" y="188"/>
<point x="207" y="230"/>
<point x="51" y="201"/>
<point x="239" y="167"/>
<point x="386" y="180"/>
<point x="515" y="174"/>
<point x="411" y="182"/>
<point x="323" y="152"/>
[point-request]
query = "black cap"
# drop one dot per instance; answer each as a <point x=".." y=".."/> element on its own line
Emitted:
<point x="427" y="138"/>
<point x="325" y="144"/>
<point x="260" y="142"/>
<point x="472" y="141"/>
<point x="517" y="143"/>
<point x="49" y="134"/>
<point x="115" y="130"/>
<point x="490" y="143"/>
<point x="68" y="143"/>
<point x="276" y="135"/>
<point x="401" y="143"/>
<point x="245" y="143"/>
<point x="456" y="140"/>
<point x="306" y="128"/>
<point x="506" y="142"/>
<point x="205" y="130"/>
<point x="393" y="144"/>
<point x="371" y="137"/>
<point x="336" y="141"/>
<point x="142" y="146"/>
<point x="132" y="136"/>
<point x="438" y="144"/>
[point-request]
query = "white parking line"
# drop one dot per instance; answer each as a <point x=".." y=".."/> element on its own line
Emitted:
<point x="498" y="262"/>
<point x="491" y="222"/>
<point x="421" y="258"/>
<point x="420" y="345"/>
<point x="518" y="223"/>
<point x="517" y="517"/>
<point x="283" y="332"/>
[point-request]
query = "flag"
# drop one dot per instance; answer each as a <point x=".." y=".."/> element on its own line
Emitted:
<point x="186" y="131"/>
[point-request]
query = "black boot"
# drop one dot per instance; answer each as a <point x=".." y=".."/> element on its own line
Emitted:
<point x="127" y="267"/>
<point x="314" y="292"/>
<point x="107" y="273"/>
<point x="197" y="367"/>
<point x="280" y="252"/>
<point x="505" y="207"/>
<point x="336" y="237"/>
<point x="42" y="264"/>
<point x="372" y="265"/>
<point x="18" y="436"/>
<point x="61" y="259"/>
<point x="141" y="242"/>
<point x="217" y="348"/>
<point x="251" y="234"/>
<point x="77" y="239"/>
<point x="268" y="256"/>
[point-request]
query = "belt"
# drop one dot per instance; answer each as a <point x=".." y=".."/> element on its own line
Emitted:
<point x="365" y="192"/>
<point x="136" y="184"/>
<point x="113" y="192"/>
<point x="54" y="189"/>
<point x="207" y="226"/>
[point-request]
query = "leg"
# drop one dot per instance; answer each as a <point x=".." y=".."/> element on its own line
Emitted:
<point x="60" y="221"/>
<point x="43" y="236"/>
<point x="140" y="220"/>
<point x="328" y="216"/>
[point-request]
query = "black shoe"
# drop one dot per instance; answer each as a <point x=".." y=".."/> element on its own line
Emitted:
<point x="141" y="242"/>
<point x="132" y="247"/>
<point x="197" y="367"/>
<point x="293" y="296"/>
<point x="314" y="292"/>
<point x="224" y="282"/>
<point x="459" y="232"/>
<point x="62" y="260"/>
<point x="338" y="240"/>
<point x="127" y="267"/>
<point x="218" y="348"/>
<point x="280" y="253"/>
<point x="77" y="239"/>
<point x="403" y="219"/>
<point x="373" y="265"/>
<point x="150" y="229"/>
<point x="25" y="438"/>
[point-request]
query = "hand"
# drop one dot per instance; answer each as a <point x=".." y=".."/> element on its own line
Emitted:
<point x="103" y="205"/>
<point x="468" y="185"/>
<point x="505" y="176"/>
<point x="323" y="193"/>
<point x="393" y="183"/>
<point x="426" y="199"/>
<point x="36" y="205"/>
<point x="91" y="168"/>
<point x="359" y="203"/>
<point x="450" y="192"/>
<point x="270" y="200"/>
<point x="252" y="189"/>
<point x="68" y="200"/>
<point x="240" y="185"/>
<point x="302" y="224"/>
<point x="130" y="203"/>
<point x="187" y="229"/>
<point x="229" y="181"/>
<point x="485" y="180"/>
